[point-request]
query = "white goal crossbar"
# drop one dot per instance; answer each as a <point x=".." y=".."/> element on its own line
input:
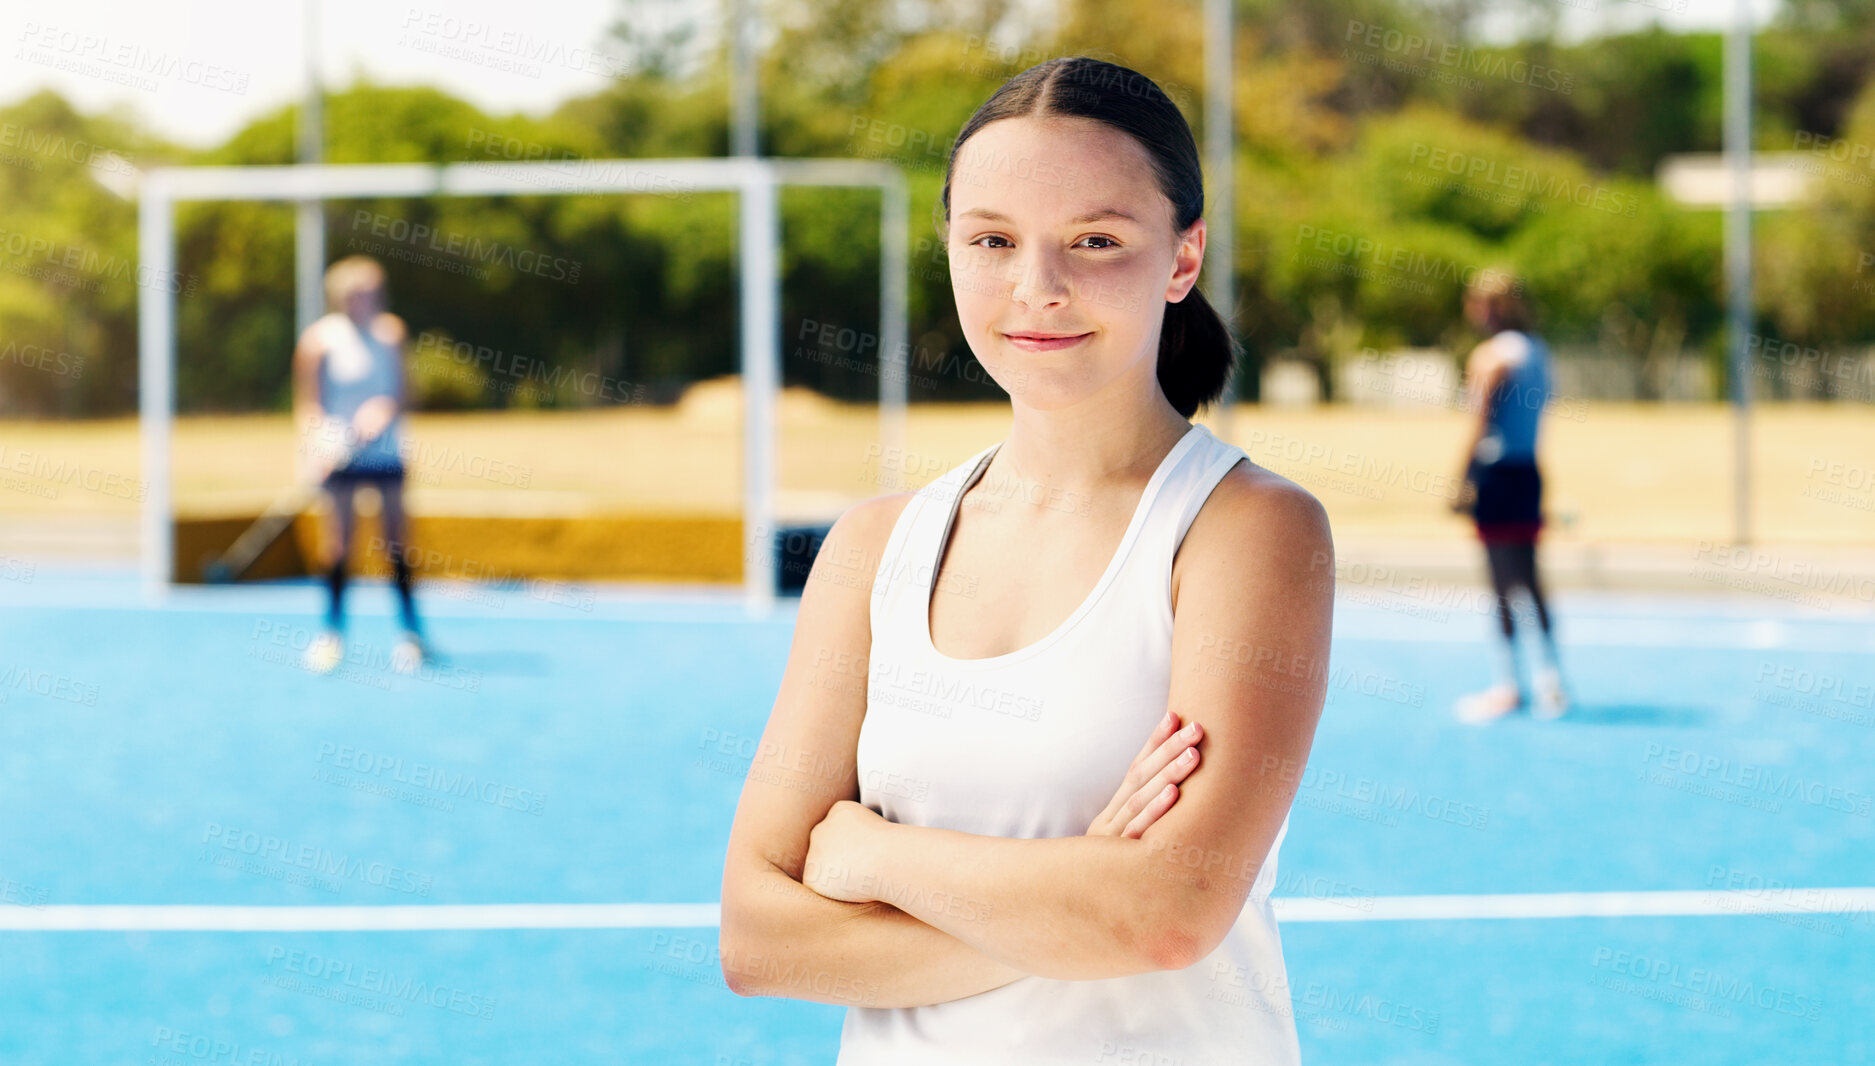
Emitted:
<point x="756" y="182"/>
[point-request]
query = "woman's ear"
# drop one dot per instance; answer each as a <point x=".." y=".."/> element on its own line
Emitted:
<point x="1187" y="259"/>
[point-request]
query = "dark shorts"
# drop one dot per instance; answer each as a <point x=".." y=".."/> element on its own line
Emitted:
<point x="1510" y="501"/>
<point x="392" y="471"/>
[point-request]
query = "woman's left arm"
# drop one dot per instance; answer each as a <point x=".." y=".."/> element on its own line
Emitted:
<point x="1250" y="648"/>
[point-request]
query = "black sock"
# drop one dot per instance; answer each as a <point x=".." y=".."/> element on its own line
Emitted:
<point x="335" y="586"/>
<point x="406" y="601"/>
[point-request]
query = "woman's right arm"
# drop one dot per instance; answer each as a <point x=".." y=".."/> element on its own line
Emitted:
<point x="308" y="413"/>
<point x="781" y="938"/>
<point x="1484" y="368"/>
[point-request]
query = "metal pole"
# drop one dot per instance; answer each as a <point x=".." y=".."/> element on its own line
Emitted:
<point x="1219" y="141"/>
<point x="156" y="316"/>
<point x="761" y="303"/>
<point x="894" y="356"/>
<point x="761" y="371"/>
<point x="743" y="88"/>
<point x="309" y="227"/>
<point x="1738" y="257"/>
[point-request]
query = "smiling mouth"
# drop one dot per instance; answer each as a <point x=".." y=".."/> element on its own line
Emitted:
<point x="1045" y="342"/>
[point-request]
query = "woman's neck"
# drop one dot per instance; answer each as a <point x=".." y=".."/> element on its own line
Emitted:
<point x="1089" y="447"/>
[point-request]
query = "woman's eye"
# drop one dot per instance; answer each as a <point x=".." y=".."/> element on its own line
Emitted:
<point x="1107" y="242"/>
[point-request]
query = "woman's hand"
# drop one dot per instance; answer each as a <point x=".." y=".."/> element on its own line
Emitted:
<point x="1465" y="499"/>
<point x="837" y="849"/>
<point x="373" y="417"/>
<point x="1151" y="783"/>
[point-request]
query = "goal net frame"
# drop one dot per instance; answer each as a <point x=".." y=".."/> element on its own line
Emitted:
<point x="755" y="180"/>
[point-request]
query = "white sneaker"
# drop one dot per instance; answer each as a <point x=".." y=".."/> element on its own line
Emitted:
<point x="407" y="656"/>
<point x="1551" y="702"/>
<point x="1488" y="706"/>
<point x="325" y="653"/>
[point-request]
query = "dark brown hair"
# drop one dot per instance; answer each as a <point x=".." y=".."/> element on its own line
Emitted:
<point x="1196" y="351"/>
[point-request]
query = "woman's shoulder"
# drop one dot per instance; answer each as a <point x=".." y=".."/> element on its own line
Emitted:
<point x="318" y="329"/>
<point x="848" y="560"/>
<point x="872" y="520"/>
<point x="864" y="530"/>
<point x="1256" y="515"/>
<point x="389" y="328"/>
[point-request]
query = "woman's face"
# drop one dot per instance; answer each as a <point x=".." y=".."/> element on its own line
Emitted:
<point x="365" y="304"/>
<point x="1477" y="310"/>
<point x="1062" y="256"/>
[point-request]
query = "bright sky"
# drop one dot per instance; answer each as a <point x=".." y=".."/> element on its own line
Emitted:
<point x="195" y="71"/>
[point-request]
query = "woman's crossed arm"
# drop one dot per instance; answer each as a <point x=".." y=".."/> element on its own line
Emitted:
<point x="1250" y="660"/>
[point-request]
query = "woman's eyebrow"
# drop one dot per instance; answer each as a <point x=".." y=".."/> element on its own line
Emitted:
<point x="1100" y="214"/>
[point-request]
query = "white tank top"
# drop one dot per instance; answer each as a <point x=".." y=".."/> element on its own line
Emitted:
<point x="1033" y="744"/>
<point x="357" y="367"/>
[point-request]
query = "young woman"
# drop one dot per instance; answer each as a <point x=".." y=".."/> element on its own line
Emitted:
<point x="951" y="824"/>
<point x="1507" y="384"/>
<point x="348" y="396"/>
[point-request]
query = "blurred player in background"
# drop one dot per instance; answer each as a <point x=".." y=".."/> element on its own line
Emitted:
<point x="1507" y="386"/>
<point x="348" y="397"/>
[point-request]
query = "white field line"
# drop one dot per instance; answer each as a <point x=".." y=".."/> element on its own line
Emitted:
<point x="1711" y="903"/>
<point x="113" y="917"/>
<point x="74" y="917"/>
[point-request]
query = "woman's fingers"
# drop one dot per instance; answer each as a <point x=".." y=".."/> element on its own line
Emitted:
<point x="1175" y="771"/>
<point x="1159" y="804"/>
<point x="1148" y="767"/>
<point x="1147" y="770"/>
<point x="1148" y="773"/>
<point x="1156" y="791"/>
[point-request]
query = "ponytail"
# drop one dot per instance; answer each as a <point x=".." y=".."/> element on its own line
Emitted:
<point x="1196" y="353"/>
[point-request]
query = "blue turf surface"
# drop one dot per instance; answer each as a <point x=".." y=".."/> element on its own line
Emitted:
<point x="139" y="748"/>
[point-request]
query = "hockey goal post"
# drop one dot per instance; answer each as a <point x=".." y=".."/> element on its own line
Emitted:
<point x="754" y="180"/>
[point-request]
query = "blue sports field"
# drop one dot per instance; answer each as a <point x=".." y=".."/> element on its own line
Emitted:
<point x="208" y="855"/>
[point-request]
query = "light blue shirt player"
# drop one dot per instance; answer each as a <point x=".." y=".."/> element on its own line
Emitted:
<point x="358" y="367"/>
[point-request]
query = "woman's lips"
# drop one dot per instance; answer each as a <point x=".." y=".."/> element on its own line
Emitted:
<point x="1032" y="343"/>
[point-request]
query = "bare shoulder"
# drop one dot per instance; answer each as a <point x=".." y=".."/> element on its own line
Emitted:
<point x="880" y="513"/>
<point x="854" y="547"/>
<point x="869" y="523"/>
<point x="390" y="328"/>
<point x="312" y="341"/>
<point x="1257" y="521"/>
<point x="1251" y="498"/>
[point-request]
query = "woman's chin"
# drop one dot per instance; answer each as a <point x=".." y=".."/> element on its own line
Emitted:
<point x="1040" y="395"/>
